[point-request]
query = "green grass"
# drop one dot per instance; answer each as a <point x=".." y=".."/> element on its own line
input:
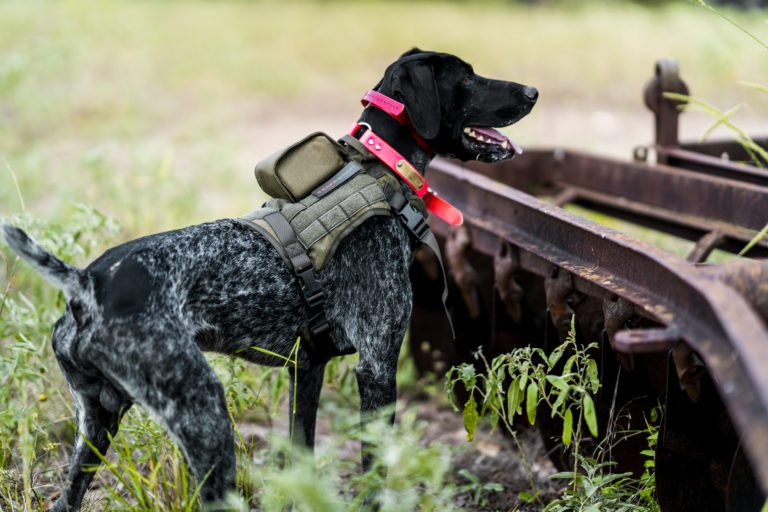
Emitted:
<point x="155" y="111"/>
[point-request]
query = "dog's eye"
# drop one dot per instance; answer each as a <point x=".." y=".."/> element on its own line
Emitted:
<point x="467" y="81"/>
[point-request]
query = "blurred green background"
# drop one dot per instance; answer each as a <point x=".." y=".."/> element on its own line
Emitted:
<point x="155" y="111"/>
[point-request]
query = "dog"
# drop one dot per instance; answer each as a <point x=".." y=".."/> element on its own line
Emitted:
<point x="139" y="317"/>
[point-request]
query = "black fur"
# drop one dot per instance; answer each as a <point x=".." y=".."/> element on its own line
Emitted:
<point x="139" y="317"/>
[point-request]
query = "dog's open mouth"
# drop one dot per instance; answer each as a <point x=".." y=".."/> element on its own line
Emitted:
<point x="489" y="144"/>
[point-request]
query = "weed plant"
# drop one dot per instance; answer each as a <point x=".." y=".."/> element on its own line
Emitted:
<point x="527" y="381"/>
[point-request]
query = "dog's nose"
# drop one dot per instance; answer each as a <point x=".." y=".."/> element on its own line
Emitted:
<point x="531" y="93"/>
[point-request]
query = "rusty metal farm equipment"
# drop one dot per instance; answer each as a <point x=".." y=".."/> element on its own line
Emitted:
<point x="683" y="334"/>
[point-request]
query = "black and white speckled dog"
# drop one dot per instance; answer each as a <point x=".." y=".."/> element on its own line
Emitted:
<point x="138" y="318"/>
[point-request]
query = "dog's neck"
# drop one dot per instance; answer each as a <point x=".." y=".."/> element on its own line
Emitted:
<point x="397" y="136"/>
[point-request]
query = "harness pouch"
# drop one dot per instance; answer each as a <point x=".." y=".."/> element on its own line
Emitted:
<point x="294" y="172"/>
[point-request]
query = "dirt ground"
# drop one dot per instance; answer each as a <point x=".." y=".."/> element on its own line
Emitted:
<point x="492" y="456"/>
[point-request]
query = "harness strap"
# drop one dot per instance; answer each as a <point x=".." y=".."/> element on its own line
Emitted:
<point x="311" y="287"/>
<point x="417" y="225"/>
<point x="355" y="143"/>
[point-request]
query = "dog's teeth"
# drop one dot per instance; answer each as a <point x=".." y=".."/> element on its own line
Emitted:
<point x="481" y="139"/>
<point x="472" y="133"/>
<point x="505" y="144"/>
<point x="467" y="131"/>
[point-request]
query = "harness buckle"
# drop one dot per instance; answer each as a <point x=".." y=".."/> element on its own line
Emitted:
<point x="318" y="324"/>
<point x="311" y="288"/>
<point x="410" y="216"/>
<point x="314" y="297"/>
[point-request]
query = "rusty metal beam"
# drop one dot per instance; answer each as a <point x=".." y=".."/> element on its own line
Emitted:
<point x="719" y="148"/>
<point x="712" y="165"/>
<point x="709" y="198"/>
<point x="680" y="202"/>
<point x="710" y="316"/>
<point x="729" y="237"/>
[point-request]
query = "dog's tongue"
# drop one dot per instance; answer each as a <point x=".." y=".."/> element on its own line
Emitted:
<point x="498" y="137"/>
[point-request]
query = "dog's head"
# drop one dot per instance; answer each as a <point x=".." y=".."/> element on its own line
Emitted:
<point x="454" y="109"/>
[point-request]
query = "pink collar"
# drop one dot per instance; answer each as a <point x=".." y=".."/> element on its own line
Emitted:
<point x="397" y="110"/>
<point x="408" y="173"/>
<point x="383" y="102"/>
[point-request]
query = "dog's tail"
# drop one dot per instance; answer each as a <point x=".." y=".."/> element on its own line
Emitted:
<point x="72" y="281"/>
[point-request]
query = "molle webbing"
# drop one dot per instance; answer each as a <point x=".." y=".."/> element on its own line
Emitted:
<point x="320" y="224"/>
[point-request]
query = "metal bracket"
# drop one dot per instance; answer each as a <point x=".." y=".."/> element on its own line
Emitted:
<point x="457" y="249"/>
<point x="506" y="265"/>
<point x="558" y="287"/>
<point x="616" y="313"/>
<point x="665" y="110"/>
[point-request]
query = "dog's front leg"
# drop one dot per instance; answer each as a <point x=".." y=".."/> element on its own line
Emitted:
<point x="377" y="383"/>
<point x="303" y="413"/>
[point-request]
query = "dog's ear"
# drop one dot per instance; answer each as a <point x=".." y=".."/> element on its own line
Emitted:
<point x="412" y="51"/>
<point x="414" y="85"/>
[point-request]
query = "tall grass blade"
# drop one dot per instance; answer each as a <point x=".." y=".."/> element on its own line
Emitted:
<point x="732" y="22"/>
<point x="762" y="234"/>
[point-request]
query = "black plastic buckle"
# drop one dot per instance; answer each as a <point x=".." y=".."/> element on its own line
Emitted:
<point x="311" y="287"/>
<point x="314" y="297"/>
<point x="413" y="220"/>
<point x="318" y="324"/>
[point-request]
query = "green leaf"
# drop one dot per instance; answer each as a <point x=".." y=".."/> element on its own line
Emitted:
<point x="594" y="380"/>
<point x="561" y="398"/>
<point x="557" y="382"/>
<point x="514" y="398"/>
<point x="590" y="416"/>
<point x="569" y="364"/>
<point x="526" y="497"/>
<point x="531" y="401"/>
<point x="470" y="417"/>
<point x="567" y="427"/>
<point x="555" y="356"/>
<point x="469" y="476"/>
<point x="468" y="375"/>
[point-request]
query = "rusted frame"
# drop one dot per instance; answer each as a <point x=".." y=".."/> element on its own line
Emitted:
<point x="711" y="165"/>
<point x="683" y="203"/>
<point x="711" y="317"/>
<point x="720" y="149"/>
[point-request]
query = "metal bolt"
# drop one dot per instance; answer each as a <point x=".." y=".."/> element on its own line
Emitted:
<point x="378" y="146"/>
<point x="370" y="142"/>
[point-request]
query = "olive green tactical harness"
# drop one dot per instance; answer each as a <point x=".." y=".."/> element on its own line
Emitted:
<point x="322" y="191"/>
